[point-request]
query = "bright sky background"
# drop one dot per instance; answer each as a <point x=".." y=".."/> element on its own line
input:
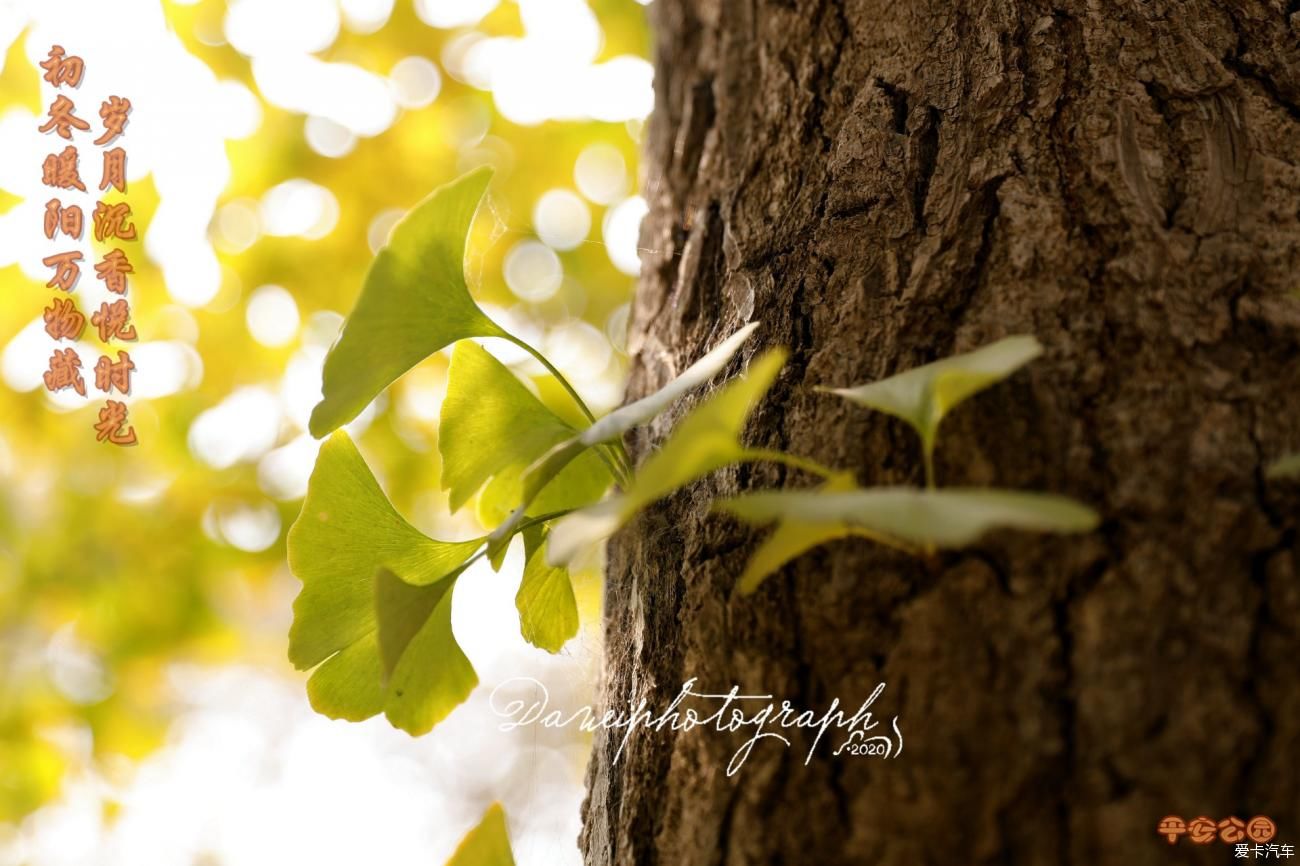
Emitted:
<point x="250" y="776"/>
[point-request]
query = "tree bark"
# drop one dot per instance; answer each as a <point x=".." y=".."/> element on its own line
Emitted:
<point x="886" y="183"/>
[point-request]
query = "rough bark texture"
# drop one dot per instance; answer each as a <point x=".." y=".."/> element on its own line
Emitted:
<point x="886" y="183"/>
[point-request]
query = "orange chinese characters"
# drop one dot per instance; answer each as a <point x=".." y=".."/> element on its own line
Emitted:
<point x="112" y="418"/>
<point x="61" y="70"/>
<point x="1232" y="830"/>
<point x="58" y="218"/>
<point x="1171" y="827"/>
<point x="62" y="120"/>
<point x="112" y="320"/>
<point x="65" y="372"/>
<point x="66" y="270"/>
<point x="114" y="113"/>
<point x="60" y="170"/>
<point x="111" y="221"/>
<point x="110" y="375"/>
<point x="1260" y="829"/>
<point x="113" y="270"/>
<point x="63" y="320"/>
<point x="1202" y="830"/>
<point x="114" y="170"/>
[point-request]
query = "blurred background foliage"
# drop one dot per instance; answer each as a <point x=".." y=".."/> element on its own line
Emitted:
<point x="332" y="117"/>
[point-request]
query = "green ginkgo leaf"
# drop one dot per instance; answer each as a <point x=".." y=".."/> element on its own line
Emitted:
<point x="490" y="423"/>
<point x="1285" y="467"/>
<point x="951" y="517"/>
<point x="706" y="439"/>
<point x="612" y="427"/>
<point x="793" y="536"/>
<point x="372" y="585"/>
<point x="579" y="484"/>
<point x="346" y="531"/>
<point x="409" y="667"/>
<point x="433" y="675"/>
<point x="401" y="610"/>
<point x="350" y="684"/>
<point x="923" y="395"/>
<point x="488" y="844"/>
<point x="414" y="302"/>
<point x="548" y="611"/>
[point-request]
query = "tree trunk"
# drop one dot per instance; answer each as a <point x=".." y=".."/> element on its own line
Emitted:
<point x="884" y="184"/>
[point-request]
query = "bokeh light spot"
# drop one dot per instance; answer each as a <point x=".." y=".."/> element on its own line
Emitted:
<point x="262" y="27"/>
<point x="365" y="16"/>
<point x="622" y="231"/>
<point x="453" y="13"/>
<point x="416" y="82"/>
<point x="328" y="138"/>
<point x="250" y="528"/>
<point x="242" y="427"/>
<point x="601" y="174"/>
<point x="237" y="226"/>
<point x="272" y="316"/>
<point x="299" y="207"/>
<point x="533" y="271"/>
<point x="562" y="219"/>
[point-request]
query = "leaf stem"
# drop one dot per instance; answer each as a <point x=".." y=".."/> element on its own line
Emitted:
<point x="804" y="463"/>
<point x="559" y="377"/>
<point x="542" y="518"/>
<point x="928" y="451"/>
<point x="624" y="471"/>
<point x="617" y="468"/>
<point x="495" y="544"/>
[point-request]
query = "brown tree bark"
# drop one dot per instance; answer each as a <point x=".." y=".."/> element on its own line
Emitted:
<point x="884" y="184"/>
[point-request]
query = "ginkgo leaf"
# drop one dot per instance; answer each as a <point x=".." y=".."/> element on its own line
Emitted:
<point x="612" y="427"/>
<point x="548" y="611"/>
<point x="488" y="844"/>
<point x="372" y="587"/>
<point x="497" y="553"/>
<point x="401" y="610"/>
<point x="486" y="403"/>
<point x="706" y="439"/>
<point x="350" y="684"/>
<point x="346" y="531"/>
<point x="409" y="666"/>
<point x="950" y="517"/>
<point x="536" y="478"/>
<point x="490" y="422"/>
<point x="533" y="537"/>
<point x="433" y="675"/>
<point x="413" y="302"/>
<point x="923" y="395"/>
<point x="1285" y="467"/>
<point x="792" y="537"/>
<point x="580" y="483"/>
